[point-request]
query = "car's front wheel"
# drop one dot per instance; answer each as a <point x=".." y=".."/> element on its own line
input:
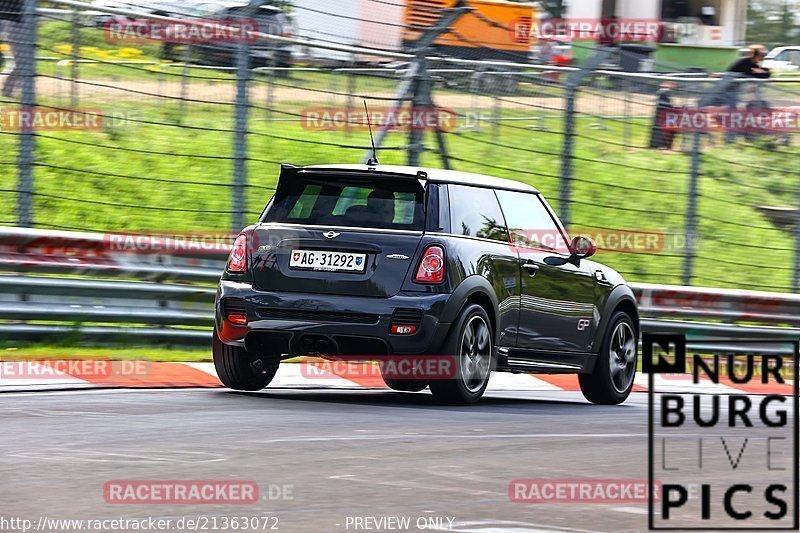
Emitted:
<point x="240" y="370"/>
<point x="470" y="346"/>
<point x="611" y="381"/>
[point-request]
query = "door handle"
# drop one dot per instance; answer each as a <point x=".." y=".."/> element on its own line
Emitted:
<point x="531" y="268"/>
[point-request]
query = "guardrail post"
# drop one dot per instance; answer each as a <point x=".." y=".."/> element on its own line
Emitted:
<point x="26" y="63"/>
<point x="573" y="83"/>
<point x="238" y="207"/>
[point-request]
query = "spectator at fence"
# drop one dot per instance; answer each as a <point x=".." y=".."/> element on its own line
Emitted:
<point x="748" y="67"/>
<point x="11" y="25"/>
<point x="661" y="137"/>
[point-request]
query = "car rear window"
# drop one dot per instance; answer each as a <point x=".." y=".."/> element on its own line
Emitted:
<point x="342" y="201"/>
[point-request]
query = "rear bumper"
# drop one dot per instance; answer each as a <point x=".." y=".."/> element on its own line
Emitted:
<point x="355" y="325"/>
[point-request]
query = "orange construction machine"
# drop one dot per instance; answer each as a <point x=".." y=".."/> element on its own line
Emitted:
<point x="493" y="29"/>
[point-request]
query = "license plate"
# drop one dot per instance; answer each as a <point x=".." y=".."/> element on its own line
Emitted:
<point x="324" y="260"/>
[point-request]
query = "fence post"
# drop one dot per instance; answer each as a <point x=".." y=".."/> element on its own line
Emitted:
<point x="351" y="90"/>
<point x="238" y="200"/>
<point x="712" y="97"/>
<point x="565" y="191"/>
<point x="796" y="272"/>
<point x="573" y="83"/>
<point x="186" y="58"/>
<point x="421" y="88"/>
<point x="27" y="142"/>
<point x="75" y="36"/>
<point x="691" y="212"/>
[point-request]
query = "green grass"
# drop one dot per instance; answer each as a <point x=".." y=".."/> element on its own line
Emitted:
<point x="614" y="187"/>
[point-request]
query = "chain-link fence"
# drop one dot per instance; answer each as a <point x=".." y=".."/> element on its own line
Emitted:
<point x="104" y="130"/>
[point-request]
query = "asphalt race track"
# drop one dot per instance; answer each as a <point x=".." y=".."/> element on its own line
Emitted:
<point x="332" y="459"/>
<point x="344" y="454"/>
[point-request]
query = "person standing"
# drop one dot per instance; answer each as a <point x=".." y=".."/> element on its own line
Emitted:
<point x="748" y="66"/>
<point x="11" y="24"/>
<point x="660" y="136"/>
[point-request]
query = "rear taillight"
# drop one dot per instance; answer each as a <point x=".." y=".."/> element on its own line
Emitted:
<point x="431" y="267"/>
<point x="235" y="311"/>
<point x="237" y="262"/>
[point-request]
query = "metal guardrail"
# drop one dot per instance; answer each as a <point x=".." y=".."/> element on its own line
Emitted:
<point x="167" y="297"/>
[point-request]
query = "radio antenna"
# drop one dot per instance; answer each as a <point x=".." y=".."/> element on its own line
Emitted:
<point x="372" y="161"/>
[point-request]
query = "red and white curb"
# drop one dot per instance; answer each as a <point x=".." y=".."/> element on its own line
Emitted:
<point x="59" y="375"/>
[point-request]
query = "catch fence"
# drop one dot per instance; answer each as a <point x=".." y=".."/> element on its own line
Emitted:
<point x="188" y="138"/>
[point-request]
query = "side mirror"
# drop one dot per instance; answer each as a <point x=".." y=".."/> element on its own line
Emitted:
<point x="579" y="248"/>
<point x="582" y="247"/>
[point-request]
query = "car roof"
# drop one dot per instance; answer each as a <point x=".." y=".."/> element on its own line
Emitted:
<point x="778" y="49"/>
<point x="439" y="175"/>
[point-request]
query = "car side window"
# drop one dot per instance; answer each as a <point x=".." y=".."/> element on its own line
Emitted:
<point x="530" y="223"/>
<point x="474" y="211"/>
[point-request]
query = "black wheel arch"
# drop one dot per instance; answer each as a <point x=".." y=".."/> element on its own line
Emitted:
<point x="474" y="289"/>
<point x="621" y="298"/>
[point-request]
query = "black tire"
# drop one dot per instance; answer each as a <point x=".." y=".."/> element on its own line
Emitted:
<point x="455" y="390"/>
<point x="405" y="385"/>
<point x="239" y="370"/>
<point x="603" y="386"/>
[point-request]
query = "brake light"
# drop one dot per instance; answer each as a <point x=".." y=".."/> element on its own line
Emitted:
<point x="238" y="319"/>
<point x="237" y="262"/>
<point x="431" y="267"/>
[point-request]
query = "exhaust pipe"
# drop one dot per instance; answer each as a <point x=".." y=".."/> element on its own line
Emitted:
<point x="317" y="344"/>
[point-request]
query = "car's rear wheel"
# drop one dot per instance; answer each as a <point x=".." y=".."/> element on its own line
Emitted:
<point x="240" y="370"/>
<point x="470" y="344"/>
<point x="611" y="381"/>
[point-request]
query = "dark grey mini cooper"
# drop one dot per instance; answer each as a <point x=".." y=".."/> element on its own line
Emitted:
<point x="392" y="262"/>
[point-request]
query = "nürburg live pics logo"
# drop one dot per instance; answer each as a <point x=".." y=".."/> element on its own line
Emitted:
<point x="723" y="433"/>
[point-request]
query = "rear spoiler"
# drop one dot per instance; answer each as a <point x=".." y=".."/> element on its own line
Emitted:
<point x="289" y="172"/>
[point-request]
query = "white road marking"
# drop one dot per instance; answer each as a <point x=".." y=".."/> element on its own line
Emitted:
<point x="631" y="510"/>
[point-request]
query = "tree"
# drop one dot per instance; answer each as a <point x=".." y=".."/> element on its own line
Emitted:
<point x="773" y="22"/>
